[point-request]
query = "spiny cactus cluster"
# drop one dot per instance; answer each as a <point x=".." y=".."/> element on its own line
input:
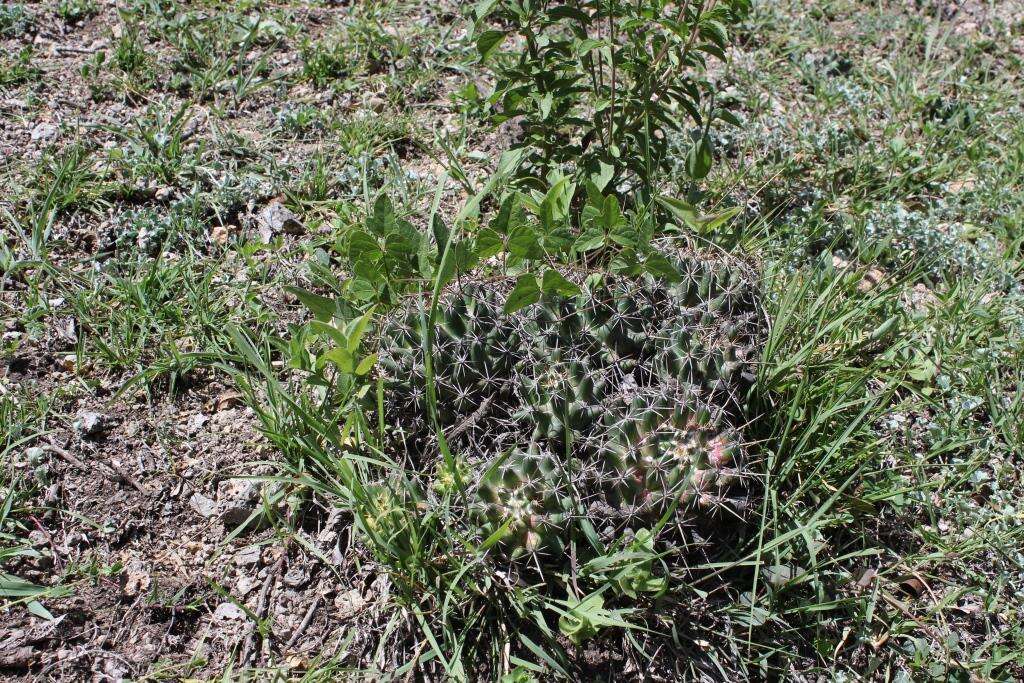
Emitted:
<point x="607" y="409"/>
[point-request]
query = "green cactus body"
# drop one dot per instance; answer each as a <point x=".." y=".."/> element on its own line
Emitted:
<point x="616" y="405"/>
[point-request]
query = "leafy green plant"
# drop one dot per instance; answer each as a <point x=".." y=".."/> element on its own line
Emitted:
<point x="128" y="68"/>
<point x="15" y="20"/>
<point x="363" y="47"/>
<point x="22" y="420"/>
<point x="630" y="569"/>
<point x="155" y="146"/>
<point x="596" y="85"/>
<point x="73" y="11"/>
<point x="583" y="618"/>
<point x="18" y="68"/>
<point x="223" y="53"/>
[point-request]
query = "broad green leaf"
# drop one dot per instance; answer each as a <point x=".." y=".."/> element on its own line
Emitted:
<point x="545" y="103"/>
<point x="682" y="211"/>
<point x="603" y="175"/>
<point x="483" y="8"/>
<point x="340" y="357"/>
<point x="440" y="231"/>
<point x="362" y="245"/>
<point x="583" y="47"/>
<point x="700" y="158"/>
<point x="13" y="587"/>
<point x="728" y="117"/>
<point x="488" y="243"/>
<point x="611" y="214"/>
<point x="570" y="12"/>
<point x="923" y="369"/>
<point x="501" y="222"/>
<point x="356" y="329"/>
<point x="524" y="242"/>
<point x="487" y="42"/>
<point x="581" y="622"/>
<point x="326" y="329"/>
<point x="381" y="220"/>
<point x="402" y="243"/>
<point x="509" y="161"/>
<point x="361" y="289"/>
<point x="591" y="239"/>
<point x="320" y="306"/>
<point x="525" y="293"/>
<point x="366" y="364"/>
<point x="36" y="608"/>
<point x="555" y="206"/>
<point x="659" y="266"/>
<point x="554" y="282"/>
<point x="708" y="224"/>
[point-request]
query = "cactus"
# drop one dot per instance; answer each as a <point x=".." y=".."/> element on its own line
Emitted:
<point x="614" y="406"/>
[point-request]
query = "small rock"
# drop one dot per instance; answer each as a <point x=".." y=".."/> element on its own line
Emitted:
<point x="44" y="132"/>
<point x="228" y="399"/>
<point x="51" y="497"/>
<point x="349" y="603"/>
<point x="90" y="424"/>
<point x="219" y="234"/>
<point x="35" y="456"/>
<point x="202" y="505"/>
<point x="922" y="298"/>
<point x="244" y="585"/>
<point x="276" y="218"/>
<point x="195" y="423"/>
<point x="871" y="279"/>
<point x="237" y="500"/>
<point x="248" y="556"/>
<point x="376" y="103"/>
<point x="296" y="577"/>
<point x="114" y="668"/>
<point x="228" y="611"/>
<point x="136" y="579"/>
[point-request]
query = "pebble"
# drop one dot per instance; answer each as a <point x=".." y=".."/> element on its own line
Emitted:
<point x="296" y="578"/>
<point x="44" y="132"/>
<point x="276" y="218"/>
<point x="202" y="505"/>
<point x="237" y="500"/>
<point x="90" y="423"/>
<point x="228" y="611"/>
<point x="247" y="556"/>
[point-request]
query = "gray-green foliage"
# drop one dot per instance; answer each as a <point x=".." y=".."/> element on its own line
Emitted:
<point x="585" y="414"/>
<point x="15" y="20"/>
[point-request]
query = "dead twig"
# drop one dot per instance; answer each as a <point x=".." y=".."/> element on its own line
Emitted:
<point x="113" y="473"/>
<point x="253" y="635"/>
<point x="304" y="624"/>
<point x="472" y="419"/>
<point x="74" y="50"/>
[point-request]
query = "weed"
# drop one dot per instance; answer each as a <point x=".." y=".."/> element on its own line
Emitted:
<point x="595" y="87"/>
<point x="363" y="47"/>
<point x="18" y="69"/>
<point x="159" y="319"/>
<point x="15" y="20"/>
<point x="74" y="11"/>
